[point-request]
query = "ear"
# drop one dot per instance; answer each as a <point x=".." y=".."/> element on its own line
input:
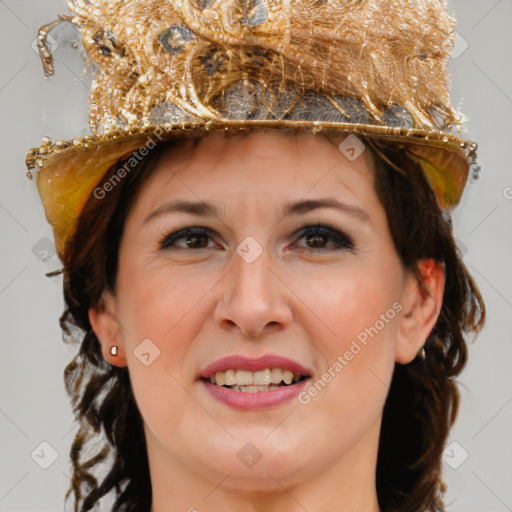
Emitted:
<point x="104" y="323"/>
<point x="421" y="307"/>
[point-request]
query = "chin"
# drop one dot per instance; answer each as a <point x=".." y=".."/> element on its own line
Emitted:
<point x="257" y="463"/>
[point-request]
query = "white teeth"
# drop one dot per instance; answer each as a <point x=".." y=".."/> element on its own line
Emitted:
<point x="267" y="379"/>
<point x="287" y="376"/>
<point x="262" y="378"/>
<point x="276" y="375"/>
<point x="230" y="378"/>
<point x="244" y="378"/>
<point x="253" y="389"/>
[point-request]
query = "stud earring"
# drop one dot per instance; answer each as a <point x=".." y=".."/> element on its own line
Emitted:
<point x="114" y="351"/>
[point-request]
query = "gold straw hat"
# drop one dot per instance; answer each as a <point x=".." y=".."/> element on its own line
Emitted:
<point x="166" y="68"/>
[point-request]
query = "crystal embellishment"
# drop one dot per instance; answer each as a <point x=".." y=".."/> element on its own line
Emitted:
<point x="175" y="38"/>
<point x="168" y="113"/>
<point x="258" y="16"/>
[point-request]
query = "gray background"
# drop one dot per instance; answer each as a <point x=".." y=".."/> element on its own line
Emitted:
<point x="33" y="405"/>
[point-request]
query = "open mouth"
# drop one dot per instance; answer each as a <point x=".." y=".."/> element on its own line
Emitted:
<point x="255" y="382"/>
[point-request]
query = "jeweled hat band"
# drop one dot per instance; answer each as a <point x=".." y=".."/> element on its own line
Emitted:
<point x="246" y="100"/>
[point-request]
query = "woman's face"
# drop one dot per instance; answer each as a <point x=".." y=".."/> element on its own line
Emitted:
<point x="255" y="280"/>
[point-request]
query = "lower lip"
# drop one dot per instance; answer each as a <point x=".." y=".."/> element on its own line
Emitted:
<point x="255" y="401"/>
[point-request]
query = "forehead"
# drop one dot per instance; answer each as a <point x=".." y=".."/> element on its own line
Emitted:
<point x="263" y="166"/>
<point x="272" y="145"/>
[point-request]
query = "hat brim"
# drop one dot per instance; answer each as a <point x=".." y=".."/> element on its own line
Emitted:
<point x="69" y="172"/>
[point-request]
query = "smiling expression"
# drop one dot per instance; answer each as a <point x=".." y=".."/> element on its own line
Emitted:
<point x="288" y="254"/>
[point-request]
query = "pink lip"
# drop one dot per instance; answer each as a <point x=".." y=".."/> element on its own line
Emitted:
<point x="254" y="401"/>
<point x="239" y="362"/>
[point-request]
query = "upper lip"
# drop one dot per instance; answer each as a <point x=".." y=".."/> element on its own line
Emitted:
<point x="240" y="362"/>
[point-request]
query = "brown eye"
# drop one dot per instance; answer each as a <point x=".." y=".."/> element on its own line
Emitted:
<point x="318" y="237"/>
<point x="197" y="241"/>
<point x="195" y="238"/>
<point x="317" y="241"/>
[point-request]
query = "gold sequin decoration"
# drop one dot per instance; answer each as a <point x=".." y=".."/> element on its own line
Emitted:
<point x="384" y="52"/>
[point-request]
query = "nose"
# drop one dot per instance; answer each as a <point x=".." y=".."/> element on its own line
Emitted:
<point x="255" y="300"/>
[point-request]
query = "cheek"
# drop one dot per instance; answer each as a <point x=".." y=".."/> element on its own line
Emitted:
<point x="350" y="301"/>
<point x="165" y="309"/>
<point x="165" y="306"/>
<point x="354" y="329"/>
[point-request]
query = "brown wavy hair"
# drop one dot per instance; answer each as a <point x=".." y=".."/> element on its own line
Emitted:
<point x="423" y="400"/>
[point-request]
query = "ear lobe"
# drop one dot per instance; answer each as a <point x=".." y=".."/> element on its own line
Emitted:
<point x="103" y="320"/>
<point x="422" y="304"/>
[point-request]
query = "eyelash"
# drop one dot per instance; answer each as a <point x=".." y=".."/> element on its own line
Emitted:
<point x="342" y="241"/>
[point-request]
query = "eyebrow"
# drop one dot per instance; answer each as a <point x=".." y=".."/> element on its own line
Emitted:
<point x="199" y="208"/>
<point x="208" y="209"/>
<point x="307" y="205"/>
